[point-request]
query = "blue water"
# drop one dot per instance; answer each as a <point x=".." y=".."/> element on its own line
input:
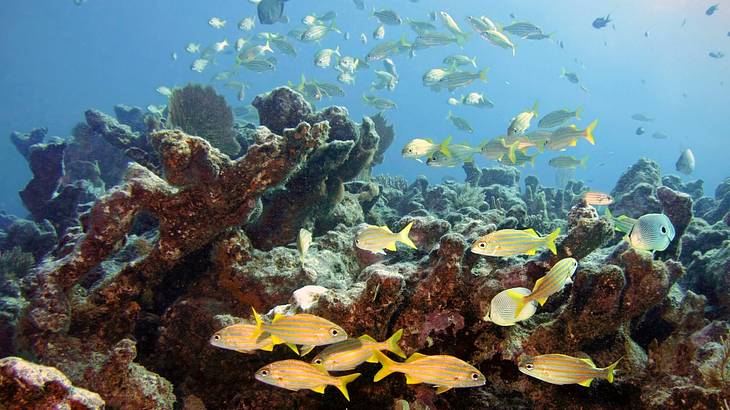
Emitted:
<point x="60" y="59"/>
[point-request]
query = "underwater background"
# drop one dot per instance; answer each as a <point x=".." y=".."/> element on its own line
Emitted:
<point x="115" y="281"/>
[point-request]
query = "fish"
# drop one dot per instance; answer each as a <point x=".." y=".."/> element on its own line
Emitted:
<point x="522" y="29"/>
<point x="440" y="160"/>
<point x="247" y="24"/>
<point x="458" y="79"/>
<point x="192" y="48"/>
<point x="510" y="242"/>
<point x="601" y="22"/>
<point x="215" y="22"/>
<point x="568" y="136"/>
<point x="494" y="149"/>
<point x="562" y="369"/>
<point x="538" y="36"/>
<point x="384" y="49"/>
<point x="553" y="282"/>
<point x="659" y="135"/>
<point x="686" y="162"/>
<point x="389" y="66"/>
<point x="261" y="65"/>
<point x="558" y="118"/>
<point x="452" y="26"/>
<point x="444" y="372"/>
<point x="453" y="101"/>
<point x="166" y="91"/>
<point x="271" y="12"/>
<point x="521" y="158"/>
<point x="318" y="32"/>
<point x="568" y="161"/>
<point x="363" y="38"/>
<point x="498" y="39"/>
<point x="712" y="9"/>
<point x="296" y="375"/>
<point x="518" y="145"/>
<point x="241" y="338"/>
<point x="299" y="329"/>
<point x="385" y="80"/>
<point x="475" y="99"/>
<point x="379" y="103"/>
<point x="378" y="238"/>
<point x="350" y="353"/>
<point x="419" y="147"/>
<point x="331" y="90"/>
<point x="388" y="17"/>
<point x="459" y="60"/>
<point x="572" y="77"/>
<point x="323" y="58"/>
<point x="432" y="77"/>
<point x="521" y="122"/>
<point x="651" y="232"/>
<point x="221" y="45"/>
<point x="173" y="56"/>
<point x="348" y="64"/>
<point x="642" y="117"/>
<point x="304" y="240"/>
<point x="283" y="46"/>
<point x="503" y="308"/>
<point x="459" y="122"/>
<point x="640" y="131"/>
<point x="597" y="198"/>
<point x="433" y="39"/>
<point x="379" y="32"/>
<point x="421" y="27"/>
<point x="479" y="25"/>
<point x="716" y="54"/>
<point x="199" y="65"/>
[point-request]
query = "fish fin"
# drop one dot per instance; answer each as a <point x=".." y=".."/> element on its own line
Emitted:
<point x="444" y="146"/>
<point x="393" y="344"/>
<point x="586" y="383"/>
<point x="275" y="340"/>
<point x="277" y="317"/>
<point x="531" y="232"/>
<point x="610" y="369"/>
<point x="342" y="382"/>
<point x="268" y="348"/>
<point x="542" y="301"/>
<point x="367" y="338"/>
<point x="259" y="324"/>
<point x="388" y="366"/>
<point x="319" y="389"/>
<point x="292" y="347"/>
<point x="589" y="132"/>
<point x="403" y="236"/>
<point x="562" y="72"/>
<point x="483" y="74"/>
<point x="578" y="112"/>
<point x="584" y="162"/>
<point x="386" y="228"/>
<point x="535" y="107"/>
<point x="305" y="349"/>
<point x="550" y="240"/>
<point x="588" y="361"/>
<point x="391" y="247"/>
<point x="442" y="389"/>
<point x="372" y="359"/>
<point x="412" y="379"/>
<point x="573" y="143"/>
<point x="519" y="301"/>
<point x="415" y="356"/>
<point x="531" y="252"/>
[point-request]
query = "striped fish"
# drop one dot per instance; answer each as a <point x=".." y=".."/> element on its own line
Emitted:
<point x="503" y="308"/>
<point x="651" y="232"/>
<point x="457" y="79"/>
<point x="509" y="242"/>
<point x="562" y="369"/>
<point x="547" y="285"/>
<point x="558" y="117"/>
<point x="348" y="354"/>
<point x="444" y="372"/>
<point x="622" y="224"/>
<point x="241" y="339"/>
<point x="378" y="238"/>
<point x="296" y="375"/>
<point x="597" y="198"/>
<point x="300" y="329"/>
<point x="521" y="122"/>
<point x="565" y="137"/>
<point x="304" y="239"/>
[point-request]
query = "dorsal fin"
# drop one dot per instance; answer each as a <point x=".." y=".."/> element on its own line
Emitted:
<point x="415" y="356"/>
<point x="367" y="338"/>
<point x="277" y="317"/>
<point x="530" y="231"/>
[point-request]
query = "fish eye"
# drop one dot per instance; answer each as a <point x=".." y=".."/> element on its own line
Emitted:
<point x="334" y="332"/>
<point x="264" y="373"/>
<point x="318" y="361"/>
<point x="475" y="376"/>
<point x="529" y="366"/>
<point x="482" y="245"/>
<point x="216" y="337"/>
<point x="664" y="229"/>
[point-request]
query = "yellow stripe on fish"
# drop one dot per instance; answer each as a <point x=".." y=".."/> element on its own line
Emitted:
<point x="562" y="369"/>
<point x="300" y="329"/>
<point x="597" y="198"/>
<point x="509" y="242"/>
<point x="377" y="238"/>
<point x="348" y="354"/>
<point x="241" y="338"/>
<point x="444" y="372"/>
<point x="548" y="285"/>
<point x="297" y="375"/>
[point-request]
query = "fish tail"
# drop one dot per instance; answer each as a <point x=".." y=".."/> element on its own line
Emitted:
<point x="535" y="107"/>
<point x="267" y="47"/>
<point x="334" y="28"/>
<point x="403" y="236"/>
<point x="589" y="132"/>
<point x="562" y="72"/>
<point x="584" y="162"/>
<point x="388" y="366"/>
<point x="393" y="344"/>
<point x="550" y="240"/>
<point x="342" y="382"/>
<point x="474" y="62"/>
<point x="259" y="324"/>
<point x="578" y="112"/>
<point x="610" y="369"/>
<point x="520" y="302"/>
<point x="483" y="74"/>
<point x="449" y="115"/>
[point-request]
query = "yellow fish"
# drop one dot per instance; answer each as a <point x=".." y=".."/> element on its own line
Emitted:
<point x="241" y="338"/>
<point x="547" y="285"/>
<point x="509" y="242"/>
<point x="444" y="372"/>
<point x="300" y="329"/>
<point x="419" y="147"/>
<point x="377" y="238"/>
<point x="562" y="369"/>
<point x="348" y="354"/>
<point x="296" y="375"/>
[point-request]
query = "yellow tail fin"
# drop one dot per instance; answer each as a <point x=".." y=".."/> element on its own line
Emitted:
<point x="343" y="381"/>
<point x="519" y="300"/>
<point x="610" y="369"/>
<point x="388" y="366"/>
<point x="393" y="344"/>
<point x="259" y="324"/>
<point x="403" y="236"/>
<point x="589" y="132"/>
<point x="550" y="241"/>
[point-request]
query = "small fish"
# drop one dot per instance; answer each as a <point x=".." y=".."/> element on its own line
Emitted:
<point x="378" y="238"/>
<point x="419" y="147"/>
<point x="659" y="135"/>
<point x="522" y="29"/>
<point x="299" y="329"/>
<point x="297" y="375"/>
<point x="388" y="17"/>
<point x="379" y="103"/>
<point x="712" y="9"/>
<point x="220" y="46"/>
<point x="385" y="80"/>
<point x="199" y="65"/>
<point x="651" y="232"/>
<point x="453" y="101"/>
<point x="494" y="149"/>
<point x="317" y="32"/>
<point x="686" y="162"/>
<point x="304" y="240"/>
<point x="421" y="27"/>
<point x="444" y="372"/>
<point x="562" y="369"/>
<point x="440" y="160"/>
<point x="640" y="131"/>
<point x="558" y="117"/>
<point x="167" y="92"/>
<point x="433" y="39"/>
<point x="642" y="117"/>
<point x="503" y="308"/>
<point x="363" y="38"/>
<point x="601" y="22"/>
<point x="565" y="137"/>
<point x="459" y="60"/>
<point x="192" y="48"/>
<point x="379" y="32"/>
<point x="475" y="99"/>
<point x="451" y="25"/>
<point x="384" y="49"/>
<point x="241" y="339"/>
<point x="498" y="39"/>
<point x="261" y="65"/>
<point x="572" y="77"/>
<point x="348" y="64"/>
<point x="510" y="242"/>
<point x="458" y="79"/>
<point x="389" y="66"/>
<point x="597" y="198"/>
<point x="350" y="353"/>
<point x="247" y="24"/>
<point x="432" y="77"/>
<point x="716" y="54"/>
<point x="521" y="122"/>
<point x="323" y="58"/>
<point x="568" y="162"/>
<point x="553" y="282"/>
<point x="173" y="56"/>
<point x="215" y="22"/>
<point x="460" y="123"/>
<point x="538" y="36"/>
